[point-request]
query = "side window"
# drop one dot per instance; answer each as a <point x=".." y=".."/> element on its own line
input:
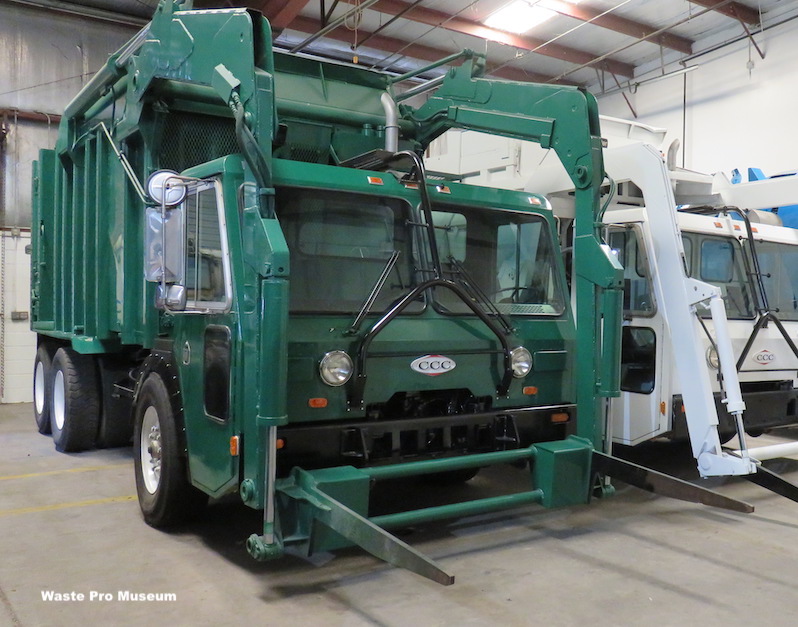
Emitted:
<point x="638" y="297"/>
<point x="216" y="371"/>
<point x="207" y="271"/>
<point x="638" y="360"/>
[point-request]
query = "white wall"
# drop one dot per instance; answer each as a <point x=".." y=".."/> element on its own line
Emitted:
<point x="734" y="117"/>
<point x="18" y="341"/>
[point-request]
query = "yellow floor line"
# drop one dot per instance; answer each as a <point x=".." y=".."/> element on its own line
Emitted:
<point x="48" y="508"/>
<point x="66" y="470"/>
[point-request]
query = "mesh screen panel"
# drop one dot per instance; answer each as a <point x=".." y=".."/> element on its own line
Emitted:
<point x="191" y="138"/>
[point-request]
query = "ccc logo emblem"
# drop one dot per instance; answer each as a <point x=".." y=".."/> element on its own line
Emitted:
<point x="433" y="365"/>
<point x="764" y="357"/>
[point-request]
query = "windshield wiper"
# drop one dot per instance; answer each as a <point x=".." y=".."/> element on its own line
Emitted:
<point x="476" y="292"/>
<point x="375" y="291"/>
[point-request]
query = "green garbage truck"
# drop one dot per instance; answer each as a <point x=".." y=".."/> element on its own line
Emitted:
<point x="240" y="263"/>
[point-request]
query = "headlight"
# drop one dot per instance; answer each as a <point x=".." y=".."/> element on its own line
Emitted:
<point x="335" y="368"/>
<point x="712" y="358"/>
<point x="521" y="361"/>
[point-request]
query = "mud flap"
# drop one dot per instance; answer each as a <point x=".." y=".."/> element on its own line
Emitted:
<point x="664" y="485"/>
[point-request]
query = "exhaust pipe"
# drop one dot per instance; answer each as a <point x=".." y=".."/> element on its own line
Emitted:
<point x="391" y="123"/>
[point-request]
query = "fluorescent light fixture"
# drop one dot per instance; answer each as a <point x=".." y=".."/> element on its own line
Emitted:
<point x="655" y="79"/>
<point x="518" y="17"/>
<point x="632" y="86"/>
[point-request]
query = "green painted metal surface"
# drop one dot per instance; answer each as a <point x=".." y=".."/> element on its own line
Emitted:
<point x="201" y="93"/>
<point x="562" y="471"/>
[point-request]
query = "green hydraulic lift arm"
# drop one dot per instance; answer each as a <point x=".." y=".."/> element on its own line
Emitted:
<point x="564" y="119"/>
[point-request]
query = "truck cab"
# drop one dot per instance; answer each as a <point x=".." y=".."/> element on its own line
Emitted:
<point x="718" y="251"/>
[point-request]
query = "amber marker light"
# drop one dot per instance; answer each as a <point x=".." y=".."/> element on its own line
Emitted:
<point x="317" y="403"/>
<point x="530" y="390"/>
<point x="560" y="417"/>
<point x="234" y="446"/>
<point x="279" y="444"/>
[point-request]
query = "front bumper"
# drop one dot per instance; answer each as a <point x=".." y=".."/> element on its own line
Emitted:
<point x="365" y="443"/>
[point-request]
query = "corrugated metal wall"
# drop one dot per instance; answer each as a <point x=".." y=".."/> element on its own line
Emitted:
<point x="45" y="59"/>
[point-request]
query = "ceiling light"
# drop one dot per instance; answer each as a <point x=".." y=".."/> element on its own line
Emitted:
<point x="518" y="17"/>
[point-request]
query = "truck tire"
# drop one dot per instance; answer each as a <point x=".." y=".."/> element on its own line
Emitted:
<point x="42" y="371"/>
<point x="165" y="495"/>
<point x="74" y="401"/>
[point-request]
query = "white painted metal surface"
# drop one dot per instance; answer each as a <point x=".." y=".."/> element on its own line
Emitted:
<point x="644" y="165"/>
<point x="772" y="451"/>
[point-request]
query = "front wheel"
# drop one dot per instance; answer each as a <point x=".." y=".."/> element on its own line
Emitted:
<point x="165" y="495"/>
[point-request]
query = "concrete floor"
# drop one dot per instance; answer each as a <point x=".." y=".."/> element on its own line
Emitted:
<point x="71" y="524"/>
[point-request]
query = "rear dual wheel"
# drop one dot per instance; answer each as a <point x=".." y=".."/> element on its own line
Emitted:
<point x="74" y="400"/>
<point x="42" y="372"/>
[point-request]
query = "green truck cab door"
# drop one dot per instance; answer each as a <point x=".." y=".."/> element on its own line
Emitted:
<point x="205" y="336"/>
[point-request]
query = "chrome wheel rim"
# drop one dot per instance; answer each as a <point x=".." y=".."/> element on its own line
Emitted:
<point x="59" y="403"/>
<point x="151" y="450"/>
<point x="38" y="388"/>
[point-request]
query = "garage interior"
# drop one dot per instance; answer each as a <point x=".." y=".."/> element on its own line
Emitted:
<point x="713" y="78"/>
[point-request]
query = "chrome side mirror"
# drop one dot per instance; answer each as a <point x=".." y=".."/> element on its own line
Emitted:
<point x="166" y="188"/>
<point x="176" y="296"/>
<point x="173" y="299"/>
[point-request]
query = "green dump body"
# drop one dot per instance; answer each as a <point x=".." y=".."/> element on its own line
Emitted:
<point x="245" y="295"/>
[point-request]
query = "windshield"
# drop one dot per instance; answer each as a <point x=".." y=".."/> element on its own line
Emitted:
<point x="778" y="264"/>
<point x="719" y="261"/>
<point x="339" y="245"/>
<point x="508" y="255"/>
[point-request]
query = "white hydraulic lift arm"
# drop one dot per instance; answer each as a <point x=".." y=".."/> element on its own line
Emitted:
<point x="644" y="165"/>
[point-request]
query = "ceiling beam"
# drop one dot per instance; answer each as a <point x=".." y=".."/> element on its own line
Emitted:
<point x="440" y="19"/>
<point x="735" y="10"/>
<point x="619" y="25"/>
<point x="414" y="51"/>
<point x="281" y="14"/>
